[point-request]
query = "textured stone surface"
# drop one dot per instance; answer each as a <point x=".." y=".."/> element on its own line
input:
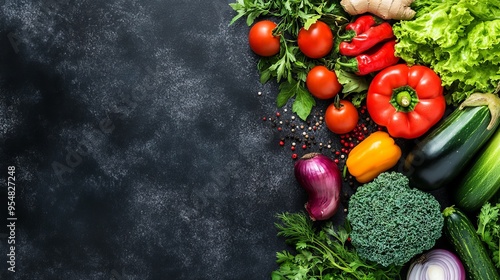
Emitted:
<point x="135" y="128"/>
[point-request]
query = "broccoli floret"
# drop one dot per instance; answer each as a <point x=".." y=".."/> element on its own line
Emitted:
<point x="391" y="222"/>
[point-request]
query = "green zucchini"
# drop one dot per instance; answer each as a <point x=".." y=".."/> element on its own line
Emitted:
<point x="470" y="249"/>
<point x="481" y="181"/>
<point x="448" y="147"/>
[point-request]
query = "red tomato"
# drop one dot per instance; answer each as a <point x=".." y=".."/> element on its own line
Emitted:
<point x="322" y="83"/>
<point x="261" y="38"/>
<point x="341" y="118"/>
<point x="317" y="41"/>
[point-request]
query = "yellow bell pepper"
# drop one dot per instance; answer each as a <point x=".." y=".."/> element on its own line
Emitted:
<point x="375" y="154"/>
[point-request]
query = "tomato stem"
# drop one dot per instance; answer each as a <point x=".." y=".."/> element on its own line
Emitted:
<point x="336" y="102"/>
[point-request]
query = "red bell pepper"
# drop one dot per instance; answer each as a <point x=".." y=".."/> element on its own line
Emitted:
<point x="407" y="100"/>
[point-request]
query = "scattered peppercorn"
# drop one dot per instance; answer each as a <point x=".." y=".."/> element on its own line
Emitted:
<point x="309" y="135"/>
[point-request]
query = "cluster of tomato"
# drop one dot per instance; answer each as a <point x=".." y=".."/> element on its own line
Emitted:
<point x="315" y="42"/>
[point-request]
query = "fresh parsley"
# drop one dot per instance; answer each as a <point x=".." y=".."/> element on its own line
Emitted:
<point x="489" y="229"/>
<point x="323" y="252"/>
<point x="290" y="67"/>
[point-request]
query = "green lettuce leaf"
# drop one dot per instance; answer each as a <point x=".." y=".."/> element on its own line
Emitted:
<point x="458" y="39"/>
<point x="484" y="9"/>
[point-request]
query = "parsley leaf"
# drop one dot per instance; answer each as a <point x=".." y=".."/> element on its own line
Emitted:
<point x="287" y="91"/>
<point x="304" y="102"/>
<point x="488" y="229"/>
<point x="251" y="9"/>
<point x="353" y="85"/>
<point x="323" y="253"/>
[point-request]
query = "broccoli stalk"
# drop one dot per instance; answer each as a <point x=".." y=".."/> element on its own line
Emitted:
<point x="391" y="223"/>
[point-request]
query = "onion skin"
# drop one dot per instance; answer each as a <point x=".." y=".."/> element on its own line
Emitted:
<point x="450" y="264"/>
<point x="321" y="179"/>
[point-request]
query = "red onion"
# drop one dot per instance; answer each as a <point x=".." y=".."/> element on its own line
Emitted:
<point x="320" y="177"/>
<point x="437" y="264"/>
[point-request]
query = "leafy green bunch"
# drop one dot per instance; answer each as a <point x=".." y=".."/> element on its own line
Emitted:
<point x="489" y="230"/>
<point x="458" y="39"/>
<point x="323" y="252"/>
<point x="290" y="67"/>
<point x="391" y="222"/>
<point x="293" y="14"/>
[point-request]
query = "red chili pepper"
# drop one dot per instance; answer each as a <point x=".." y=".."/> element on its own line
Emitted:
<point x="364" y="41"/>
<point x="353" y="29"/>
<point x="407" y="100"/>
<point x="362" y="23"/>
<point x="376" y="59"/>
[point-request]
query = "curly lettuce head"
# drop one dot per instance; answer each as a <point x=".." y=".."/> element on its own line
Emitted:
<point x="459" y="40"/>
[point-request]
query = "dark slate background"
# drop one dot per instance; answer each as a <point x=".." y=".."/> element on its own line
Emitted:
<point x="137" y="135"/>
<point x="136" y="131"/>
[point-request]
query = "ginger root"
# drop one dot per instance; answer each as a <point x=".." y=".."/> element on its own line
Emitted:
<point x="385" y="9"/>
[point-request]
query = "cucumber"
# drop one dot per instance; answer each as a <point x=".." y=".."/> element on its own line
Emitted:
<point x="470" y="249"/>
<point x="481" y="181"/>
<point x="448" y="147"/>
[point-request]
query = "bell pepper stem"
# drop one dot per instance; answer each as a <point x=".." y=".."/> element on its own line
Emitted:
<point x="403" y="98"/>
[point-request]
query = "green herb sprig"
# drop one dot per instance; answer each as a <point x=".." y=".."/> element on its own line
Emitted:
<point x="323" y="253"/>
<point x="290" y="67"/>
<point x="489" y="230"/>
